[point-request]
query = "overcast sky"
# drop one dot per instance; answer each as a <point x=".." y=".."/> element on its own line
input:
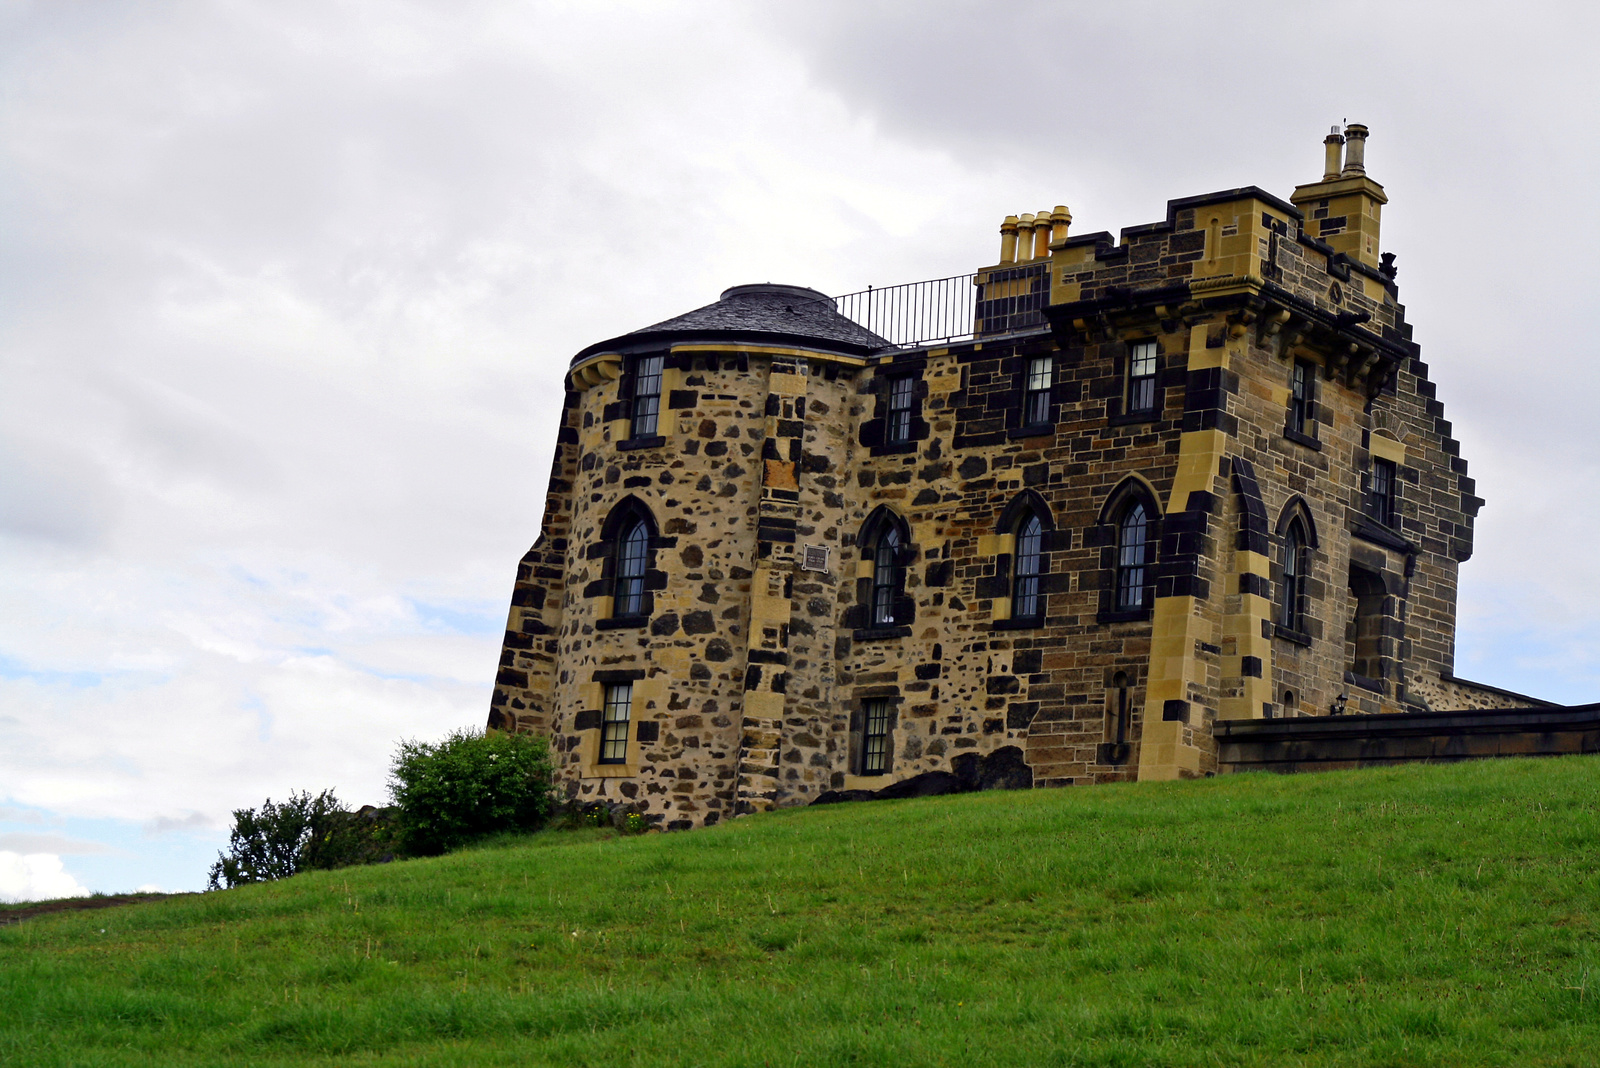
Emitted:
<point x="287" y="290"/>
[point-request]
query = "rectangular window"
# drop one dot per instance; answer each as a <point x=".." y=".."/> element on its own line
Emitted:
<point x="1300" y="384"/>
<point x="1142" y="377"/>
<point x="1036" y="391"/>
<point x="875" y="737"/>
<point x="646" y="396"/>
<point x="614" y="724"/>
<point x="1380" y="499"/>
<point x="901" y="393"/>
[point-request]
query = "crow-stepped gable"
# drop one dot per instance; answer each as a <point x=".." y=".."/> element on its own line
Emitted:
<point x="1047" y="524"/>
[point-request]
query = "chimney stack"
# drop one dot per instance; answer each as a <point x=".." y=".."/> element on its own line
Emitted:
<point x="1333" y="142"/>
<point x="1342" y="209"/>
<point x="1355" y="153"/>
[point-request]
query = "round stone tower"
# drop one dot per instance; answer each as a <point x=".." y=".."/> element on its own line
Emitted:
<point x="655" y="607"/>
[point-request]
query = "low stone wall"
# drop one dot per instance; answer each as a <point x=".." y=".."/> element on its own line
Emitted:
<point x="1331" y="742"/>
<point x="1440" y="692"/>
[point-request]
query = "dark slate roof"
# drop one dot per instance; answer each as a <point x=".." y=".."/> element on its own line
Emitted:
<point x="767" y="313"/>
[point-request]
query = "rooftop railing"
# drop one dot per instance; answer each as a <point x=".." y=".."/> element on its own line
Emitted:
<point x="959" y="308"/>
<point x="915" y="313"/>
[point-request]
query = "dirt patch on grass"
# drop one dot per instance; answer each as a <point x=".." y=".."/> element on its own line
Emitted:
<point x="10" y="914"/>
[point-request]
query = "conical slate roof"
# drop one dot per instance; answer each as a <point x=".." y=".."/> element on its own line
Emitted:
<point x="768" y="313"/>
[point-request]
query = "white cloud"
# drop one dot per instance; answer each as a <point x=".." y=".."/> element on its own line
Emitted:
<point x="36" y="877"/>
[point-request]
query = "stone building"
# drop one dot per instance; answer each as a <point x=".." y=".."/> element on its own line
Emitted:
<point x="1193" y="475"/>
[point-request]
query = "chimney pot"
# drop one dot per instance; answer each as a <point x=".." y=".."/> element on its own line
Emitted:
<point x="1008" y="240"/>
<point x="1331" y="151"/>
<point x="1025" y="237"/>
<point x="1355" y="152"/>
<point x="1042" y="231"/>
<point x="1060" y="219"/>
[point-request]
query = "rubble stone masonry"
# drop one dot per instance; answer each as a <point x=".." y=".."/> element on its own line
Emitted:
<point x="834" y="525"/>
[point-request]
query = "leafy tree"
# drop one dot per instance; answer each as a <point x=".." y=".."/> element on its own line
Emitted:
<point x="274" y="842"/>
<point x="469" y="785"/>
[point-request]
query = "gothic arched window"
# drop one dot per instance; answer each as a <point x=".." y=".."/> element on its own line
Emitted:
<point x="888" y="576"/>
<point x="1133" y="558"/>
<point x="1292" y="590"/>
<point x="633" y="549"/>
<point x="1027" y="600"/>
<point x="626" y="552"/>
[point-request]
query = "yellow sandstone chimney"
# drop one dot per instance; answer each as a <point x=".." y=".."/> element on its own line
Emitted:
<point x="1344" y="208"/>
<point x="1008" y="240"/>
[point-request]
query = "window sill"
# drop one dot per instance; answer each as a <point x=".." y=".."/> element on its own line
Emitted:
<point x="1124" y="615"/>
<point x="1296" y="636"/>
<point x="1375" y="685"/>
<point x="1037" y="430"/>
<point x="622" y="623"/>
<point x="894" y="448"/>
<point x="872" y="634"/>
<point x="1369" y="529"/>
<point x="1302" y="439"/>
<point x="1024" y="623"/>
<point x="655" y="441"/>
<point x="1129" y="418"/>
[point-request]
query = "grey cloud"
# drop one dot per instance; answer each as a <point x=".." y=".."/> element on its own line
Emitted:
<point x="19" y="842"/>
<point x="194" y="821"/>
<point x="22" y="815"/>
<point x="52" y="492"/>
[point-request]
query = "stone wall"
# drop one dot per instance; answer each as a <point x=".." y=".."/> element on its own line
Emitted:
<point x="751" y="671"/>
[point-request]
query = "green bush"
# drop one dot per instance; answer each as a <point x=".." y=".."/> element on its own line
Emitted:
<point x="344" y="839"/>
<point x="450" y="792"/>
<point x="273" y="843"/>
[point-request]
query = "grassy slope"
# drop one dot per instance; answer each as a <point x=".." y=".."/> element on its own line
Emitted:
<point x="1416" y="915"/>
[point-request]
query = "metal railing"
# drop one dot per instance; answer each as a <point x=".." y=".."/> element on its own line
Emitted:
<point x="915" y="313"/>
<point x="959" y="308"/>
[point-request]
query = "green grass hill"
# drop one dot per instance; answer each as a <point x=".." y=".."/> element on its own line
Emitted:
<point x="1422" y="915"/>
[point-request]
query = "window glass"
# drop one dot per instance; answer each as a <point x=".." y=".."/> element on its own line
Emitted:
<point x="632" y="551"/>
<point x="875" y="737"/>
<point x="614" y="723"/>
<point x="1025" y="600"/>
<point x="646" y="396"/>
<point x="1300" y="397"/>
<point x="901" y="392"/>
<point x="1132" y="548"/>
<point x="1142" y="377"/>
<point x="1289" y="611"/>
<point x="1036" y="401"/>
<point x="885" y="577"/>
<point x="1380" y="502"/>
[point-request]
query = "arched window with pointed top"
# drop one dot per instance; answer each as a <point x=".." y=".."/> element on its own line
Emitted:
<point x="626" y="548"/>
<point x="1291" y="602"/>
<point x="1297" y="537"/>
<point x="1027" y="525"/>
<point x="888" y="577"/>
<point x="1128" y="530"/>
<point x="1027" y="599"/>
<point x="885" y="545"/>
<point x="1133" y="558"/>
<point x="632" y="553"/>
